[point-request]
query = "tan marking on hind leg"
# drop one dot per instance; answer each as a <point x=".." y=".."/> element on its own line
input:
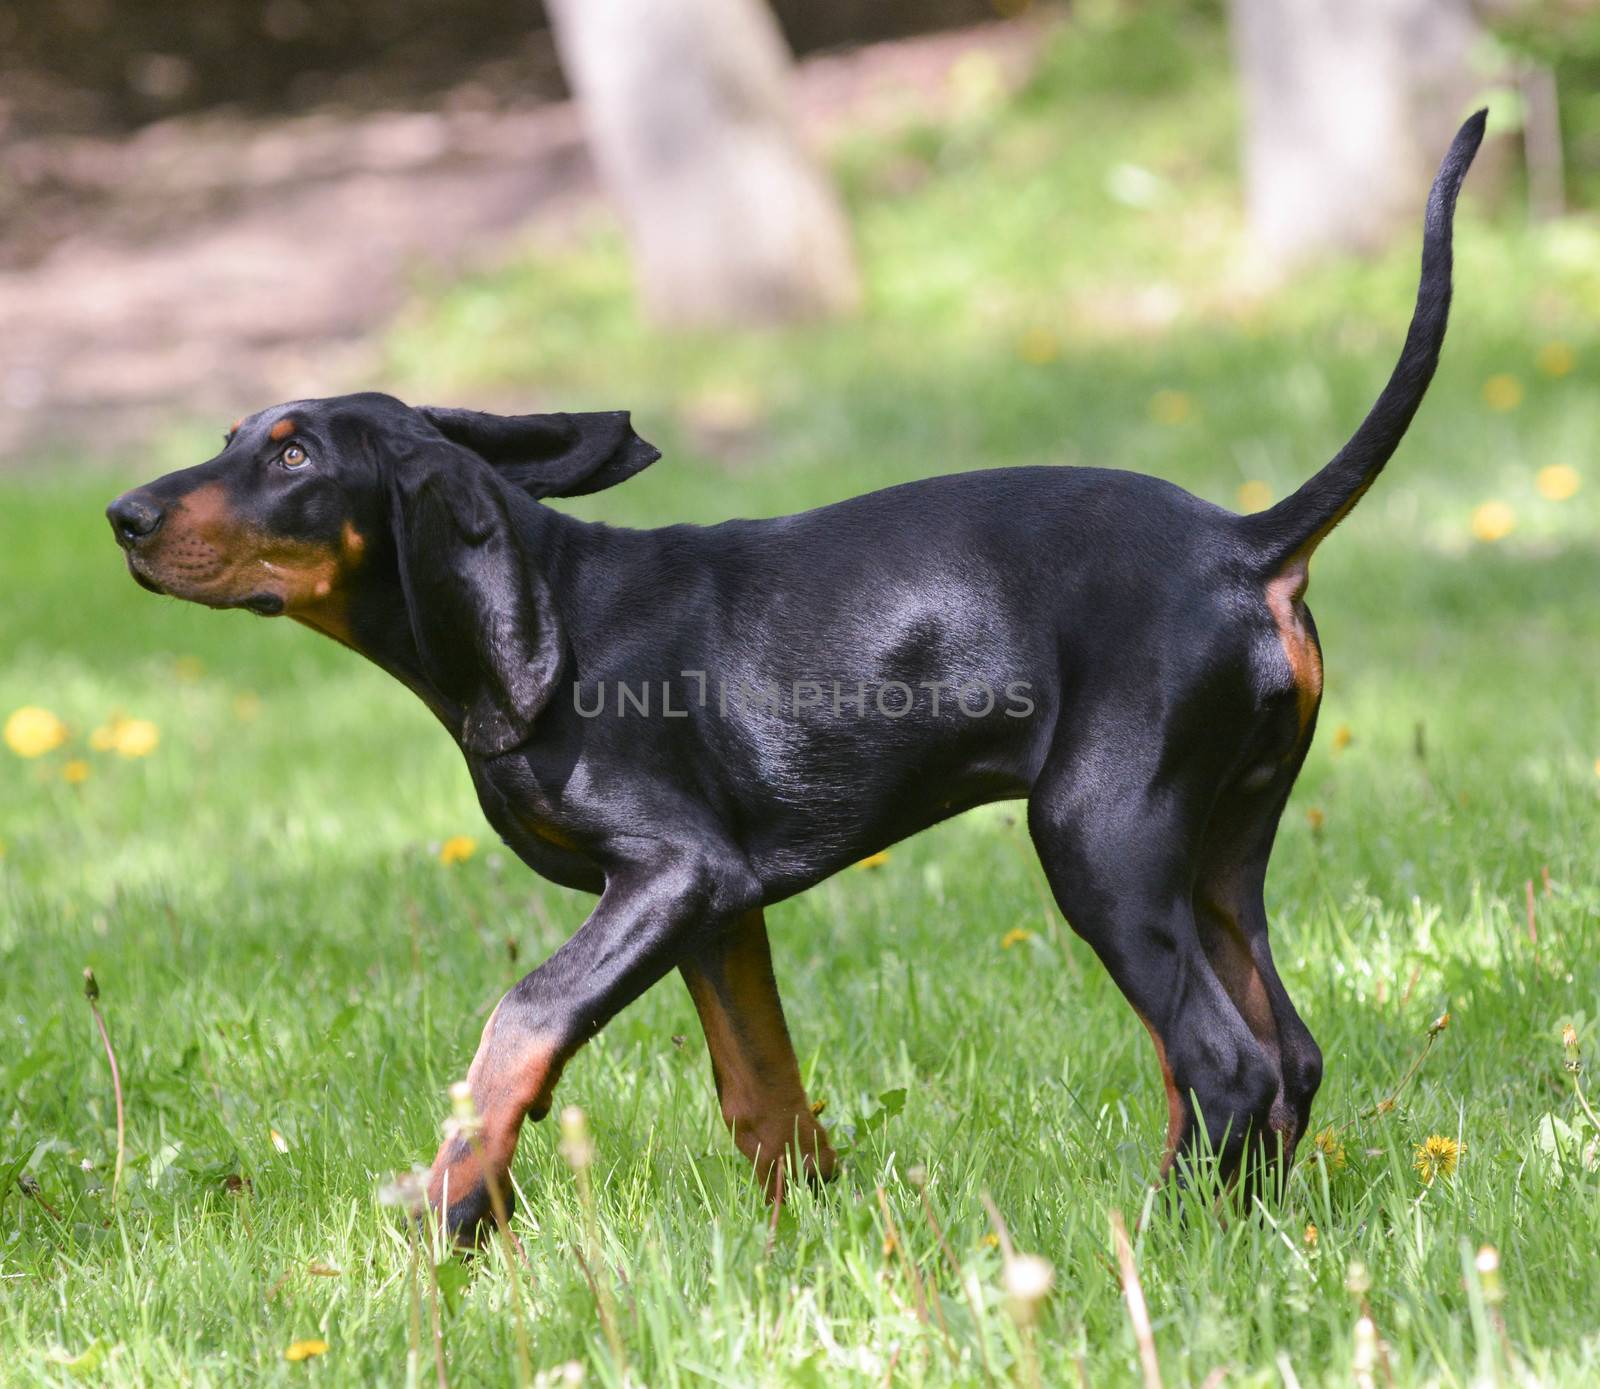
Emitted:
<point x="1175" y="1103"/>
<point x="1228" y="948"/>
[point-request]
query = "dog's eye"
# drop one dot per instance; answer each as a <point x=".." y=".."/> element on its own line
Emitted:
<point x="293" y="458"/>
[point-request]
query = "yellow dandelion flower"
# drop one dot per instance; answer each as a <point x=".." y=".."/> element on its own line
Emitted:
<point x="136" y="738"/>
<point x="1557" y="482"/>
<point x="457" y="849"/>
<point x="32" y="731"/>
<point x="304" y="1350"/>
<point x="1327" y="1148"/>
<point x="75" y="772"/>
<point x="876" y="860"/>
<point x="278" y="1140"/>
<point x="1015" y="936"/>
<point x="1555" y="359"/>
<point x="1171" y="407"/>
<point x="1038" y="347"/>
<point x="1316" y="819"/>
<point x="990" y="1240"/>
<point x="1436" y="1156"/>
<point x="1502" y="392"/>
<point x="1254" y="496"/>
<point x="1342" y="737"/>
<point x="1569" y="1036"/>
<point x="1492" y="521"/>
<point x="1312" y="1236"/>
<point x="126" y="737"/>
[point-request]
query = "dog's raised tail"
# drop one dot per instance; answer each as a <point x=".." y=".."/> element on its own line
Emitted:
<point x="1293" y="528"/>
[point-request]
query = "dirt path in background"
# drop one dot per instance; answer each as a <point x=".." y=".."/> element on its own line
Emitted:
<point x="213" y="264"/>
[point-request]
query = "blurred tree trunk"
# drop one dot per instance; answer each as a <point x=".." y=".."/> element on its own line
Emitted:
<point x="1349" y="105"/>
<point x="687" y="107"/>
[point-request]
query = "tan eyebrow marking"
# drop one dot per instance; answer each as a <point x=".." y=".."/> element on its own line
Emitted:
<point x="282" y="430"/>
<point x="236" y="424"/>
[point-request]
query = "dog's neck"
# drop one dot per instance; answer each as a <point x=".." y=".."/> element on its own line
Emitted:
<point x="373" y="620"/>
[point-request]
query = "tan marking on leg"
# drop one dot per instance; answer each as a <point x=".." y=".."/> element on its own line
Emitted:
<point x="513" y="1076"/>
<point x="1175" y="1104"/>
<point x="1284" y="593"/>
<point x="752" y="1059"/>
<point x="1236" y="970"/>
<point x="1228" y="949"/>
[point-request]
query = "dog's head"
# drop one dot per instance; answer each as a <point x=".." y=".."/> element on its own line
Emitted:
<point x="309" y="502"/>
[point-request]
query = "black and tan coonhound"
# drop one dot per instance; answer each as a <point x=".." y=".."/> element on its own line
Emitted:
<point x="695" y="723"/>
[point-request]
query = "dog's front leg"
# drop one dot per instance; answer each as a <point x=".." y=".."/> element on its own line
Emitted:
<point x="635" y="934"/>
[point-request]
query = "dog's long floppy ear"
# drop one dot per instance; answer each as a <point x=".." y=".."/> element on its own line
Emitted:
<point x="550" y="455"/>
<point x="481" y="614"/>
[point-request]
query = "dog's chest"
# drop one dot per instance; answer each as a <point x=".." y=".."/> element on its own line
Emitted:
<point x="527" y="819"/>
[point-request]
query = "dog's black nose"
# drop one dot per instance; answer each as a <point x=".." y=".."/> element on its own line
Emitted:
<point x="133" y="518"/>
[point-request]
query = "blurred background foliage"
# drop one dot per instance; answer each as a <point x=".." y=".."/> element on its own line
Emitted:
<point x="172" y="177"/>
<point x="94" y="63"/>
<point x="1564" y="36"/>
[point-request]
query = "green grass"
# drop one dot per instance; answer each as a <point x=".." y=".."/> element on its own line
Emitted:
<point x="280" y="949"/>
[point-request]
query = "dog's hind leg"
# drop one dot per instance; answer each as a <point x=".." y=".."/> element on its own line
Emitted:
<point x="1119" y="835"/>
<point x="1231" y="914"/>
<point x="752" y="1060"/>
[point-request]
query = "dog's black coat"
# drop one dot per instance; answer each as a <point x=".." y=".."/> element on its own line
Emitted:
<point x="1152" y="679"/>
